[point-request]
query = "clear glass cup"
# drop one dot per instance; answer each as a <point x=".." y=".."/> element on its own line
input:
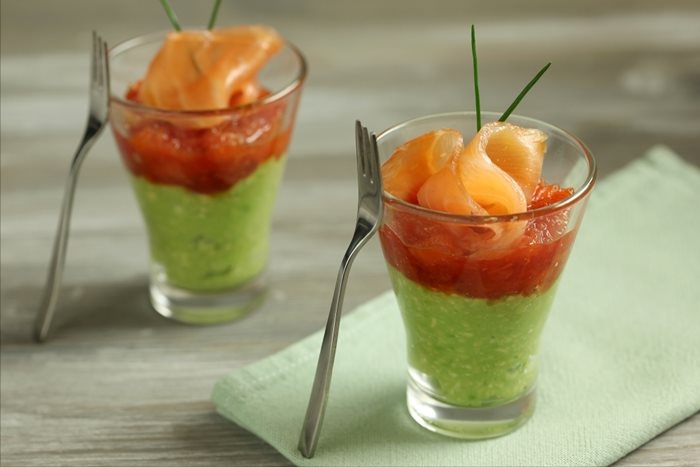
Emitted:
<point x="474" y="311"/>
<point x="206" y="182"/>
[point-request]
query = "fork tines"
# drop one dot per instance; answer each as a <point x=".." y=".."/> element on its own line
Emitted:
<point x="100" y="65"/>
<point x="368" y="155"/>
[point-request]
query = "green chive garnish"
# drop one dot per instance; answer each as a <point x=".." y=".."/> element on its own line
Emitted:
<point x="214" y="13"/>
<point x="171" y="15"/>
<point x="476" y="82"/>
<point x="525" y="90"/>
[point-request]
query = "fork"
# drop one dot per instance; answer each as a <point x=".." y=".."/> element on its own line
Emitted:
<point x="97" y="117"/>
<point x="369" y="213"/>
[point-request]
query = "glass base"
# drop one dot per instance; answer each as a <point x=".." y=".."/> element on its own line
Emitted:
<point x="468" y="422"/>
<point x="202" y="308"/>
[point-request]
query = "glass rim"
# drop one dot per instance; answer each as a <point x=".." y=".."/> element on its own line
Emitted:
<point x="578" y="195"/>
<point x="278" y="95"/>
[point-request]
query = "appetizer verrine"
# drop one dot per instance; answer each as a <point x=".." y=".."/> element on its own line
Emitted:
<point x="477" y="228"/>
<point x="203" y="130"/>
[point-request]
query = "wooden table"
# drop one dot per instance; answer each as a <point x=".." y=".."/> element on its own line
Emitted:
<point x="119" y="385"/>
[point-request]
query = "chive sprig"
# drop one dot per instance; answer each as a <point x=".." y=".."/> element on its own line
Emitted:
<point x="214" y="13"/>
<point x="477" y="99"/>
<point x="514" y="104"/>
<point x="176" y="23"/>
<point x="171" y="15"/>
<point x="525" y="90"/>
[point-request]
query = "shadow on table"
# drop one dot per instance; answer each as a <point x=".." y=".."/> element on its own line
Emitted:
<point x="212" y="436"/>
<point x="91" y="307"/>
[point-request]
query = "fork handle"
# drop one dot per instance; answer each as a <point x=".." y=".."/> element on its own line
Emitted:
<point x="324" y="370"/>
<point x="58" y="258"/>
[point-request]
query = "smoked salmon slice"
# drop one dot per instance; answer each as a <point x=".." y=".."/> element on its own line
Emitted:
<point x="415" y="161"/>
<point x="496" y="191"/>
<point x="519" y="152"/>
<point x="445" y="192"/>
<point x="204" y="70"/>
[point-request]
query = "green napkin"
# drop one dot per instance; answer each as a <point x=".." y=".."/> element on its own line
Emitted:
<point x="620" y="353"/>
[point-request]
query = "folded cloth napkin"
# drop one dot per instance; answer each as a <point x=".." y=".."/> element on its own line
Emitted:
<point x="620" y="353"/>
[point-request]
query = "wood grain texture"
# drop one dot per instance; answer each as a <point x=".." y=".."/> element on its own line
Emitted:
<point x="121" y="386"/>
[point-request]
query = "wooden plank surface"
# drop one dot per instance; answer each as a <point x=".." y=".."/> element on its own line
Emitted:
<point x="120" y="386"/>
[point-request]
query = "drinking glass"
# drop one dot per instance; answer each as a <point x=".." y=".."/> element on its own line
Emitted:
<point x="473" y="307"/>
<point x="206" y="183"/>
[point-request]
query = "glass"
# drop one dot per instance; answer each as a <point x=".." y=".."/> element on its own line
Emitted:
<point x="206" y="182"/>
<point x="473" y="312"/>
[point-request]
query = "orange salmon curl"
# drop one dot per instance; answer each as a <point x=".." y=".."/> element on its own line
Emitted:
<point x="207" y="70"/>
<point x="495" y="173"/>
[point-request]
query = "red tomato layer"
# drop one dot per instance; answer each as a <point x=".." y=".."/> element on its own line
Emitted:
<point x="451" y="258"/>
<point x="205" y="160"/>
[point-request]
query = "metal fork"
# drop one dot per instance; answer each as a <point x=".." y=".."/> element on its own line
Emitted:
<point x="369" y="213"/>
<point x="97" y="117"/>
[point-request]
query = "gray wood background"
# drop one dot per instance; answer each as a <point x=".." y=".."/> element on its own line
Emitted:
<point x="120" y="386"/>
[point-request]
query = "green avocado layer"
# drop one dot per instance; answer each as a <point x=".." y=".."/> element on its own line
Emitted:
<point x="211" y="242"/>
<point x="468" y="351"/>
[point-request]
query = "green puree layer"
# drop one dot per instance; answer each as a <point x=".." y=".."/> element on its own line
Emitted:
<point x="211" y="242"/>
<point x="471" y="352"/>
